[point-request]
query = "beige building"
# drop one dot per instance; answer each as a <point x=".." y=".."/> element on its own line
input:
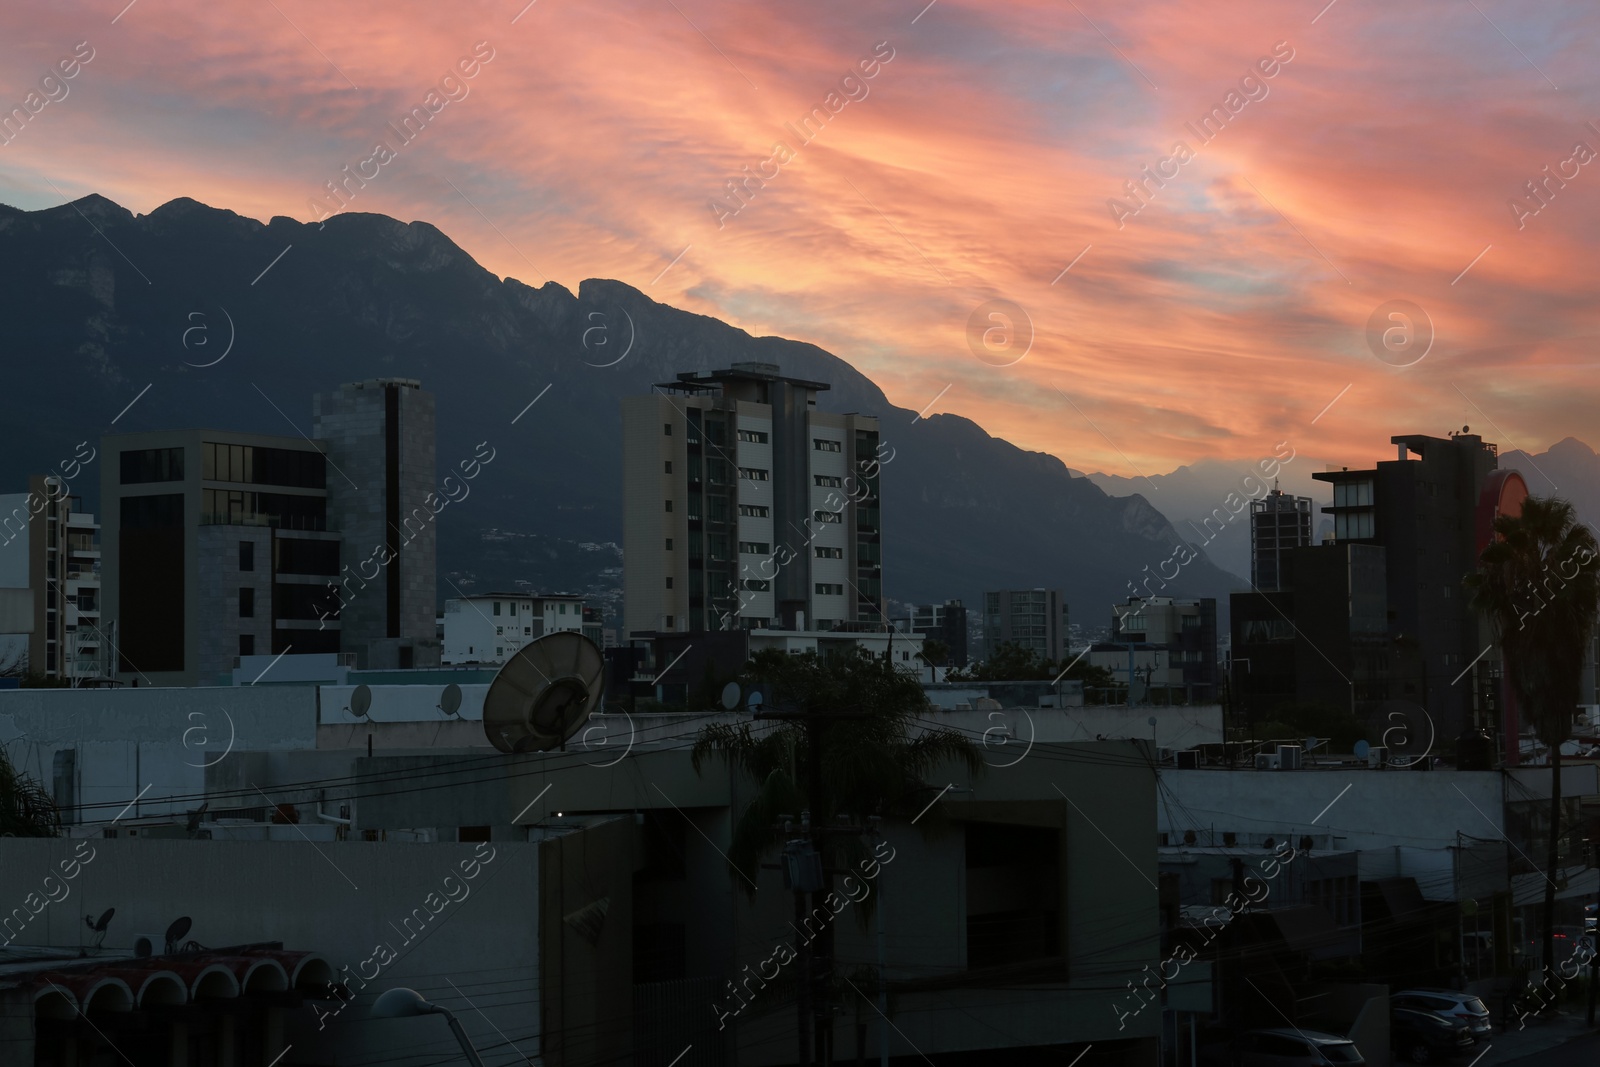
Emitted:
<point x="49" y="583"/>
<point x="747" y="508"/>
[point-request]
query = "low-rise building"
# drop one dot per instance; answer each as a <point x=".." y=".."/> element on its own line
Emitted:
<point x="492" y="627"/>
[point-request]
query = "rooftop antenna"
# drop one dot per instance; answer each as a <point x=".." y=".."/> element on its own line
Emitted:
<point x="545" y="693"/>
<point x="99" y="926"/>
<point x="360" y="702"/>
<point x="175" y="932"/>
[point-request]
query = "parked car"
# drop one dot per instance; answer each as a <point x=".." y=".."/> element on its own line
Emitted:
<point x="1296" y="1048"/>
<point x="1427" y="1037"/>
<point x="1461" y="1007"/>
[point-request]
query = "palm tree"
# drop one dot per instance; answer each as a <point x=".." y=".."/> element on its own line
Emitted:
<point x="875" y="756"/>
<point x="26" y="809"/>
<point x="1538" y="584"/>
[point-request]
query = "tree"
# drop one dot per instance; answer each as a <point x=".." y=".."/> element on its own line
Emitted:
<point x="874" y="764"/>
<point x="1538" y="584"/>
<point x="26" y="809"/>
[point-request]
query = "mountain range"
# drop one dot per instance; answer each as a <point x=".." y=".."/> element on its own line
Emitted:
<point x="196" y="316"/>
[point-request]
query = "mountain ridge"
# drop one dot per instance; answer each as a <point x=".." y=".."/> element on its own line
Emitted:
<point x="106" y="309"/>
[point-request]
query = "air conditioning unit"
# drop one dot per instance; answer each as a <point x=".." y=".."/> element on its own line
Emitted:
<point x="1265" y="762"/>
<point x="1378" y="757"/>
<point x="1291" y="757"/>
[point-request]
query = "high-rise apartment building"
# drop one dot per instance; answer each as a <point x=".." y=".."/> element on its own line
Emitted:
<point x="378" y="436"/>
<point x="744" y="507"/>
<point x="49" y="583"/>
<point x="1424" y="512"/>
<point x="1033" y="618"/>
<point x="1279" y="523"/>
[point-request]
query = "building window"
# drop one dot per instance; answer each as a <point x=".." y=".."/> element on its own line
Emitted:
<point x="754" y="437"/>
<point x="499" y="651"/>
<point x="499" y="631"/>
<point x="755" y="474"/>
<point x="666" y="429"/>
<point x="563" y="610"/>
<point x="247" y="603"/>
<point x="830" y="589"/>
<point x="669" y="581"/>
<point x="247" y="555"/>
<point x="669" y="467"/>
<point x="826" y="516"/>
<point x="512" y="608"/>
<point x="1352" y="494"/>
<point x="822" y="444"/>
<point x="669" y="505"/>
<point x="152" y="465"/>
<point x="828" y="481"/>
<point x="247" y="644"/>
<point x="754" y="511"/>
<point x="759" y="548"/>
<point x="668" y="621"/>
<point x="757" y="585"/>
<point x="497" y="607"/>
<point x="1352" y="524"/>
<point x="830" y="553"/>
<point x="527" y="631"/>
<point x="669" y="544"/>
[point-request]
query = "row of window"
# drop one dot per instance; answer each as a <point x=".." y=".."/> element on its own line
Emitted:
<point x="754" y="474"/>
<point x="822" y="444"/>
<point x="754" y="437"/>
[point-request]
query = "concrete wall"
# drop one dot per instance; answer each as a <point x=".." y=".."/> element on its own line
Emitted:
<point x="468" y="941"/>
<point x="157" y="742"/>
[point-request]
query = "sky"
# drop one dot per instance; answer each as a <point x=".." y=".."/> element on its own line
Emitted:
<point x="1008" y="211"/>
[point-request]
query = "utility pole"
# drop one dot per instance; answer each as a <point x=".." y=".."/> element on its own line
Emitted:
<point x="1594" y="938"/>
<point x="805" y="875"/>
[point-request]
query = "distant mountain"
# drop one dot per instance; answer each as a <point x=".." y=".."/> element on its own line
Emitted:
<point x="1192" y="492"/>
<point x="100" y="304"/>
<point x="1570" y="469"/>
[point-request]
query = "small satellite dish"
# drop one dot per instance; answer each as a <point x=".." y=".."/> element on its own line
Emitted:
<point x="1361" y="749"/>
<point x="360" y="701"/>
<point x="176" y="932"/>
<point x="730" y="696"/>
<point x="99" y="925"/>
<point x="544" y="693"/>
<point x="450" y="699"/>
<point x="754" y="700"/>
<point x="1151" y="720"/>
<point x="1311" y="743"/>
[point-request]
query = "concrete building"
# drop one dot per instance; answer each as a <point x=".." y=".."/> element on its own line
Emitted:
<point x="1279" y="523"/>
<point x="379" y="437"/>
<point x="945" y="623"/>
<point x="744" y="507"/>
<point x="1425" y="512"/>
<point x="1171" y="645"/>
<point x="492" y="627"/>
<point x="49" y="584"/>
<point x="600" y="920"/>
<point x="217" y="545"/>
<point x="1036" y="619"/>
<point x="1320" y="638"/>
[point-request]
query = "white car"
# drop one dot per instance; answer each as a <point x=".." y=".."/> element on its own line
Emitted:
<point x="1462" y="1007"/>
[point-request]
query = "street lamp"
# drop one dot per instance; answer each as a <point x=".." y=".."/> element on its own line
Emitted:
<point x="402" y="1003"/>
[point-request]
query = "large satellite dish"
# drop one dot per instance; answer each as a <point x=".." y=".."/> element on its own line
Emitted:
<point x="450" y="699"/>
<point x="545" y="693"/>
<point x="360" y="701"/>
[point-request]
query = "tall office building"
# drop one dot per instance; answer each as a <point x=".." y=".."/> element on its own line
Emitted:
<point x="1424" y="512"/>
<point x="379" y="439"/>
<point x="49" y="583"/>
<point x="216" y="546"/>
<point x="1279" y="523"/>
<point x="1033" y="618"/>
<point x="744" y="507"/>
<point x="221" y="545"/>
<point x="945" y="623"/>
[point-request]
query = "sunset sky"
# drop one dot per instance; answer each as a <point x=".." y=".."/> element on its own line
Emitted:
<point x="1376" y="163"/>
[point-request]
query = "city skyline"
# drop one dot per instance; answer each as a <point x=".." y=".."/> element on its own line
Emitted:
<point x="883" y="229"/>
